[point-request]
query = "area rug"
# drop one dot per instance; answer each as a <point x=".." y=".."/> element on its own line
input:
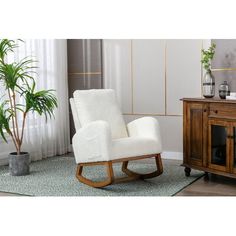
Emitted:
<point x="56" y="177"/>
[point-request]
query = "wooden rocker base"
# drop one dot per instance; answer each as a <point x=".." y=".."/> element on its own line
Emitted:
<point x="159" y="170"/>
<point x="131" y="175"/>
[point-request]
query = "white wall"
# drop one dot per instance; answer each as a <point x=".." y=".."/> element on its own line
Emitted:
<point x="150" y="77"/>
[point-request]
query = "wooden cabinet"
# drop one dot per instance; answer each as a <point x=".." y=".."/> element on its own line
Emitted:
<point x="209" y="132"/>
<point x="195" y="123"/>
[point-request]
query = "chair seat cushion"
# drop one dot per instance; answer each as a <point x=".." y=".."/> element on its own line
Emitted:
<point x="134" y="146"/>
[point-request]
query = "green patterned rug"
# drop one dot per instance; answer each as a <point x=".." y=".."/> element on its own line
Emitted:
<point x="56" y="177"/>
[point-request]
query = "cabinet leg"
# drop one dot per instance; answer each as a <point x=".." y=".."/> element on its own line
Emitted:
<point x="187" y="171"/>
<point x="206" y="176"/>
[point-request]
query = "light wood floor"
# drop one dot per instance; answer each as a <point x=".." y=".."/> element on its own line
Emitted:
<point x="3" y="194"/>
<point x="215" y="186"/>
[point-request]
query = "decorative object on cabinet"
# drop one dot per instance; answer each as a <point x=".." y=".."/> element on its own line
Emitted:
<point x="232" y="96"/>
<point x="209" y="133"/>
<point x="224" y="90"/>
<point x="102" y="137"/>
<point x="208" y="79"/>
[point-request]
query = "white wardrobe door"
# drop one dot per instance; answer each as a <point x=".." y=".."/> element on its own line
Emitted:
<point x="148" y="76"/>
<point x="183" y="72"/>
<point x="117" y="70"/>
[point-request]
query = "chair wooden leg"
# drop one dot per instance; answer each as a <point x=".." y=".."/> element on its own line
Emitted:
<point x="110" y="172"/>
<point x="156" y="173"/>
<point x="159" y="164"/>
<point x="100" y="184"/>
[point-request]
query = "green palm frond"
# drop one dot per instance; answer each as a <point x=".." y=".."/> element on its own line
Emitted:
<point x="6" y="46"/>
<point x="12" y="73"/>
<point x="5" y="116"/>
<point x="42" y="102"/>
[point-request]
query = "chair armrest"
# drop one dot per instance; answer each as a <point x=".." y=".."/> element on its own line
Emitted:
<point x="147" y="127"/>
<point x="92" y="142"/>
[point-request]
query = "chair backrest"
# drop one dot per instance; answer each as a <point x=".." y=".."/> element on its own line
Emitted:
<point x="100" y="104"/>
<point x="75" y="114"/>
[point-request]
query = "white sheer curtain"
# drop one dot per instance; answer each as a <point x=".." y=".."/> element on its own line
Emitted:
<point x="43" y="139"/>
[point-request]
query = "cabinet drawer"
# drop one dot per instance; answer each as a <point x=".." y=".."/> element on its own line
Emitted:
<point x="223" y="110"/>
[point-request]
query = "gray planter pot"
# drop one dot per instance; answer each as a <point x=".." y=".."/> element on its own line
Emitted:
<point x="19" y="164"/>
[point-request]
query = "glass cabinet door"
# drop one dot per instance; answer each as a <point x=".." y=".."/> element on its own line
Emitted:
<point x="218" y="146"/>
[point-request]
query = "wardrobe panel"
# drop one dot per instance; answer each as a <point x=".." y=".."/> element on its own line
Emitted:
<point x="84" y="67"/>
<point x="117" y="70"/>
<point x="84" y="55"/>
<point x="225" y="53"/>
<point x="183" y="72"/>
<point x="148" y="76"/>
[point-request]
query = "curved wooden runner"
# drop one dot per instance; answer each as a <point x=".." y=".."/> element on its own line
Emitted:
<point x="131" y="175"/>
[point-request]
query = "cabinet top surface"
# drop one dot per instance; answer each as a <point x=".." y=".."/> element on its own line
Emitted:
<point x="208" y="100"/>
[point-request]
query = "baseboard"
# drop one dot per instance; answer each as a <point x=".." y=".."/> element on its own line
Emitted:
<point x="70" y="148"/>
<point x="4" y="159"/>
<point x="165" y="155"/>
<point x="172" y="155"/>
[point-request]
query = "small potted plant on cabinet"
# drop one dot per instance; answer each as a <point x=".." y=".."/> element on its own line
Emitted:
<point x="19" y="98"/>
<point x="208" y="79"/>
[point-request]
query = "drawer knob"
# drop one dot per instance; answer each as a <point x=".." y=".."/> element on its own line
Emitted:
<point x="216" y="111"/>
<point x="204" y="110"/>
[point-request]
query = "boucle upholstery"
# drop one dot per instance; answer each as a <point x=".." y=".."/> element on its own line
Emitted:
<point x="100" y="104"/>
<point x="75" y="114"/>
<point x="101" y="133"/>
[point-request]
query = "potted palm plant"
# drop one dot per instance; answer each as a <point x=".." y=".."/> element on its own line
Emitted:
<point x="18" y="99"/>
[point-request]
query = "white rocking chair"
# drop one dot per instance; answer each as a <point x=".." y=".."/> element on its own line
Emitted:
<point x="102" y="138"/>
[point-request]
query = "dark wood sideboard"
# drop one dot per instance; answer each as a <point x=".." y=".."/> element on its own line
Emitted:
<point x="209" y="136"/>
